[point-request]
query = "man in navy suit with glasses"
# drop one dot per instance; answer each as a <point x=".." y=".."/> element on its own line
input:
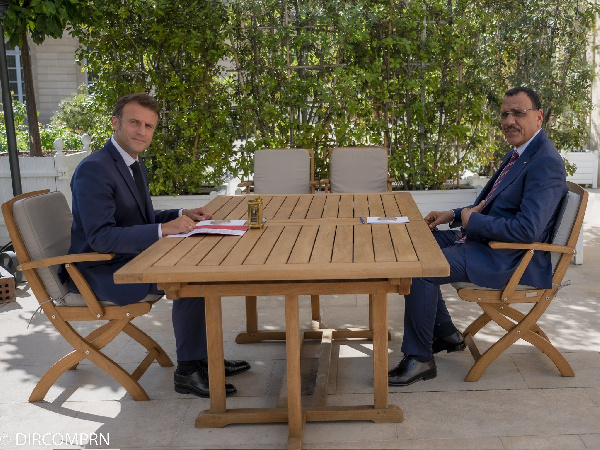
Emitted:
<point x="520" y="203"/>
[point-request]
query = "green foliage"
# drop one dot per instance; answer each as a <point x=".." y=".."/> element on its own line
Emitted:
<point x="172" y="50"/>
<point x="21" y="130"/>
<point x="39" y="18"/>
<point x="48" y="133"/>
<point x="82" y="113"/>
<point x="423" y="79"/>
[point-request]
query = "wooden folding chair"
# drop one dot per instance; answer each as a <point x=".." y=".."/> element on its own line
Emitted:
<point x="279" y="171"/>
<point x="357" y="170"/>
<point x="496" y="304"/>
<point x="39" y="224"/>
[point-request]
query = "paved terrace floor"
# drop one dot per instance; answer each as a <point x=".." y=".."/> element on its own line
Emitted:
<point x="521" y="401"/>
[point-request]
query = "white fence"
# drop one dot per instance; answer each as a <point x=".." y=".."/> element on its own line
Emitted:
<point x="587" y="167"/>
<point x="41" y="172"/>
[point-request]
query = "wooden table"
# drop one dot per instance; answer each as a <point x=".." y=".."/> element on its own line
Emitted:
<point x="310" y="245"/>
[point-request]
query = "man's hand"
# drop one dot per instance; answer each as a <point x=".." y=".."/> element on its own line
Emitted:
<point x="466" y="213"/>
<point x="180" y="225"/>
<point x="435" y="218"/>
<point x="197" y="214"/>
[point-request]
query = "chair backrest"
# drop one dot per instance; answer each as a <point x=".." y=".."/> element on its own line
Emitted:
<point x="42" y="223"/>
<point x="358" y="169"/>
<point x="569" y="221"/>
<point x="283" y="171"/>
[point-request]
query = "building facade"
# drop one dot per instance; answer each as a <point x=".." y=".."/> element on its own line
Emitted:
<point x="56" y="73"/>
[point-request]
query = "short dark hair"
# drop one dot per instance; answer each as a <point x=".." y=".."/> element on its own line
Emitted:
<point x="535" y="99"/>
<point x="144" y="99"/>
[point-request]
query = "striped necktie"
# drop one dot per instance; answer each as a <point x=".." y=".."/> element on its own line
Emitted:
<point x="510" y="163"/>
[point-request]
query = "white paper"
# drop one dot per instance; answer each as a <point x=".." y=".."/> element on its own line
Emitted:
<point x="401" y="219"/>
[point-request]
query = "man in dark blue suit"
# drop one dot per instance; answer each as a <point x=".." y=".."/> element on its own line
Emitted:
<point x="519" y="204"/>
<point x="113" y="213"/>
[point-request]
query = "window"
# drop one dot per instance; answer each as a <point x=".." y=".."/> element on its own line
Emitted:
<point x="15" y="73"/>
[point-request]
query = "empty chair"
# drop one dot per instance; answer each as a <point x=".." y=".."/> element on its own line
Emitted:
<point x="283" y="171"/>
<point x="279" y="171"/>
<point x="357" y="170"/>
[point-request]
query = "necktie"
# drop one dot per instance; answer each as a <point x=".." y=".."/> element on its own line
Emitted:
<point x="139" y="181"/>
<point x="510" y="163"/>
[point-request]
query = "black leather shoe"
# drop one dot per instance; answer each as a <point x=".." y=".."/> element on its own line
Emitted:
<point x="453" y="343"/>
<point x="410" y="370"/>
<point x="196" y="383"/>
<point x="232" y="367"/>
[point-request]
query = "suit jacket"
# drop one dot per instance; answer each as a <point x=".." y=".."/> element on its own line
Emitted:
<point x="523" y="209"/>
<point x="108" y="218"/>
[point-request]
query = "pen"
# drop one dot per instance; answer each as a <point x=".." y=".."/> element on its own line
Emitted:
<point x="362" y="220"/>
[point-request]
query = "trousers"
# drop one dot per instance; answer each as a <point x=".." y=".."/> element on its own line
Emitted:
<point x="425" y="313"/>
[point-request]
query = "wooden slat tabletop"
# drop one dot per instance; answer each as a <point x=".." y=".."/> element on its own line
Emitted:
<point x="306" y="237"/>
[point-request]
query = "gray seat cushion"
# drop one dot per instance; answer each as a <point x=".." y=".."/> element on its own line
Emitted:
<point x="282" y="171"/>
<point x="73" y="299"/>
<point x="564" y="223"/>
<point x="45" y="225"/>
<point x="358" y="169"/>
<point x="467" y="285"/>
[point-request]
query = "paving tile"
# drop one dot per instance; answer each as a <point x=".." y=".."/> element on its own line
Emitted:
<point x="594" y="394"/>
<point x="232" y="436"/>
<point x="540" y="372"/>
<point x="24" y="425"/>
<point x="591" y="440"/>
<point x="134" y="424"/>
<point x="452" y="444"/>
<point x="518" y="412"/>
<point x="543" y="442"/>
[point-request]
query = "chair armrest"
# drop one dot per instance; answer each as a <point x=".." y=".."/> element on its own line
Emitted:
<point x="313" y="185"/>
<point x="325" y="182"/>
<point x="66" y="259"/>
<point x="534" y="246"/>
<point x="82" y="285"/>
<point x="515" y="278"/>
<point x="390" y="180"/>
<point x="247" y="185"/>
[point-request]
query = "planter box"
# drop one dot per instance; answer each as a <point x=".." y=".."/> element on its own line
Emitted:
<point x="587" y="167"/>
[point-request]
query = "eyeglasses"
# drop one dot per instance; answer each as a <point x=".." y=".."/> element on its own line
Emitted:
<point x="517" y="113"/>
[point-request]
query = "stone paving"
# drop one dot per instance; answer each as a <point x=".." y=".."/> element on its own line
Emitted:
<point x="521" y="401"/>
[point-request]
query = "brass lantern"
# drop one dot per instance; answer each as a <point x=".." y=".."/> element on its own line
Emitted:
<point x="255" y="213"/>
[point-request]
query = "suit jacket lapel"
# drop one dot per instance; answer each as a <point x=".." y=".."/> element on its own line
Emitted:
<point x="518" y="166"/>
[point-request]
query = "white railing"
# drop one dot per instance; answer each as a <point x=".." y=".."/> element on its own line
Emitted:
<point x="587" y="167"/>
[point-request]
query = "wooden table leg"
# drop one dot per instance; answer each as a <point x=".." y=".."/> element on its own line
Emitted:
<point x="380" y="354"/>
<point x="292" y="346"/>
<point x="216" y="365"/>
<point x="251" y="314"/>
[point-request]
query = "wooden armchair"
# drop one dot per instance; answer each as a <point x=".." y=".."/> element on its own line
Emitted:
<point x="496" y="304"/>
<point x="358" y="170"/>
<point x="39" y="224"/>
<point x="283" y="171"/>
